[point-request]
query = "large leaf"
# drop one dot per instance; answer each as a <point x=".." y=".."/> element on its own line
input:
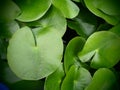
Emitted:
<point x="106" y="9"/>
<point x="8" y="11"/>
<point x="67" y="7"/>
<point x="103" y="79"/>
<point x="76" y="79"/>
<point x="54" y="81"/>
<point x="103" y="48"/>
<point x="34" y="57"/>
<point x="32" y="10"/>
<point x="72" y="49"/>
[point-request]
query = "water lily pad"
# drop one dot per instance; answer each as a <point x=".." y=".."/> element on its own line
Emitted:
<point x="32" y="10"/>
<point x="76" y="79"/>
<point x="30" y="56"/>
<point x="103" y="79"/>
<point x="67" y="7"/>
<point x="102" y="48"/>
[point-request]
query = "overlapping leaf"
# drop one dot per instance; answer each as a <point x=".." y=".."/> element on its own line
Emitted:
<point x="67" y="7"/>
<point x="8" y="11"/>
<point x="32" y="10"/>
<point x="102" y="48"/>
<point x="106" y="9"/>
<point x="54" y="81"/>
<point x="76" y="79"/>
<point x="103" y="79"/>
<point x="73" y="47"/>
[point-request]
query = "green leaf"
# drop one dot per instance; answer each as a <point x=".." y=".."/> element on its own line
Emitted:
<point x="67" y="7"/>
<point x="102" y="48"/>
<point x="53" y="19"/>
<point x="34" y="57"/>
<point x="8" y="29"/>
<point x="54" y="81"/>
<point x="84" y="24"/>
<point x="76" y="79"/>
<point x="103" y="79"/>
<point x="32" y="10"/>
<point x="106" y="9"/>
<point x="72" y="49"/>
<point x="9" y="11"/>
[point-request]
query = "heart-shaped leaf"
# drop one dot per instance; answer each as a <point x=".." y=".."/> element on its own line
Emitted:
<point x="30" y="56"/>
<point x="32" y="10"/>
<point x="103" y="79"/>
<point x="103" y="48"/>
<point x="9" y="11"/>
<point x="72" y="49"/>
<point x="77" y="78"/>
<point x="106" y="9"/>
<point x="67" y="7"/>
<point x="54" y="81"/>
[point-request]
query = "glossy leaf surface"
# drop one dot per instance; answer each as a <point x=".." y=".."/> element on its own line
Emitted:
<point x="32" y="10"/>
<point x="67" y="7"/>
<point x="106" y="9"/>
<point x="54" y="81"/>
<point x="76" y="79"/>
<point x="30" y="56"/>
<point x="102" y="48"/>
<point x="103" y="79"/>
<point x="72" y="49"/>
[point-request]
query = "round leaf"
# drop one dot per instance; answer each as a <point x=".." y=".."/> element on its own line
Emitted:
<point x="32" y="10"/>
<point x="34" y="57"/>
<point x="102" y="48"/>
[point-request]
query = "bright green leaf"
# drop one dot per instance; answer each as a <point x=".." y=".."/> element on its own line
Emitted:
<point x="54" y="20"/>
<point x="8" y="11"/>
<point x="34" y="57"/>
<point x="67" y="7"/>
<point x="103" y="48"/>
<point x="32" y="10"/>
<point x="77" y="78"/>
<point x="54" y="81"/>
<point x="106" y="9"/>
<point x="73" y="47"/>
<point x="103" y="79"/>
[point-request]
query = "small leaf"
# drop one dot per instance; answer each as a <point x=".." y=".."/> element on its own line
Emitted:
<point x="54" y="81"/>
<point x="32" y="10"/>
<point x="9" y="11"/>
<point x="77" y="78"/>
<point x="30" y="56"/>
<point x="102" y="48"/>
<point x="67" y="7"/>
<point x="73" y="47"/>
<point x="103" y="79"/>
